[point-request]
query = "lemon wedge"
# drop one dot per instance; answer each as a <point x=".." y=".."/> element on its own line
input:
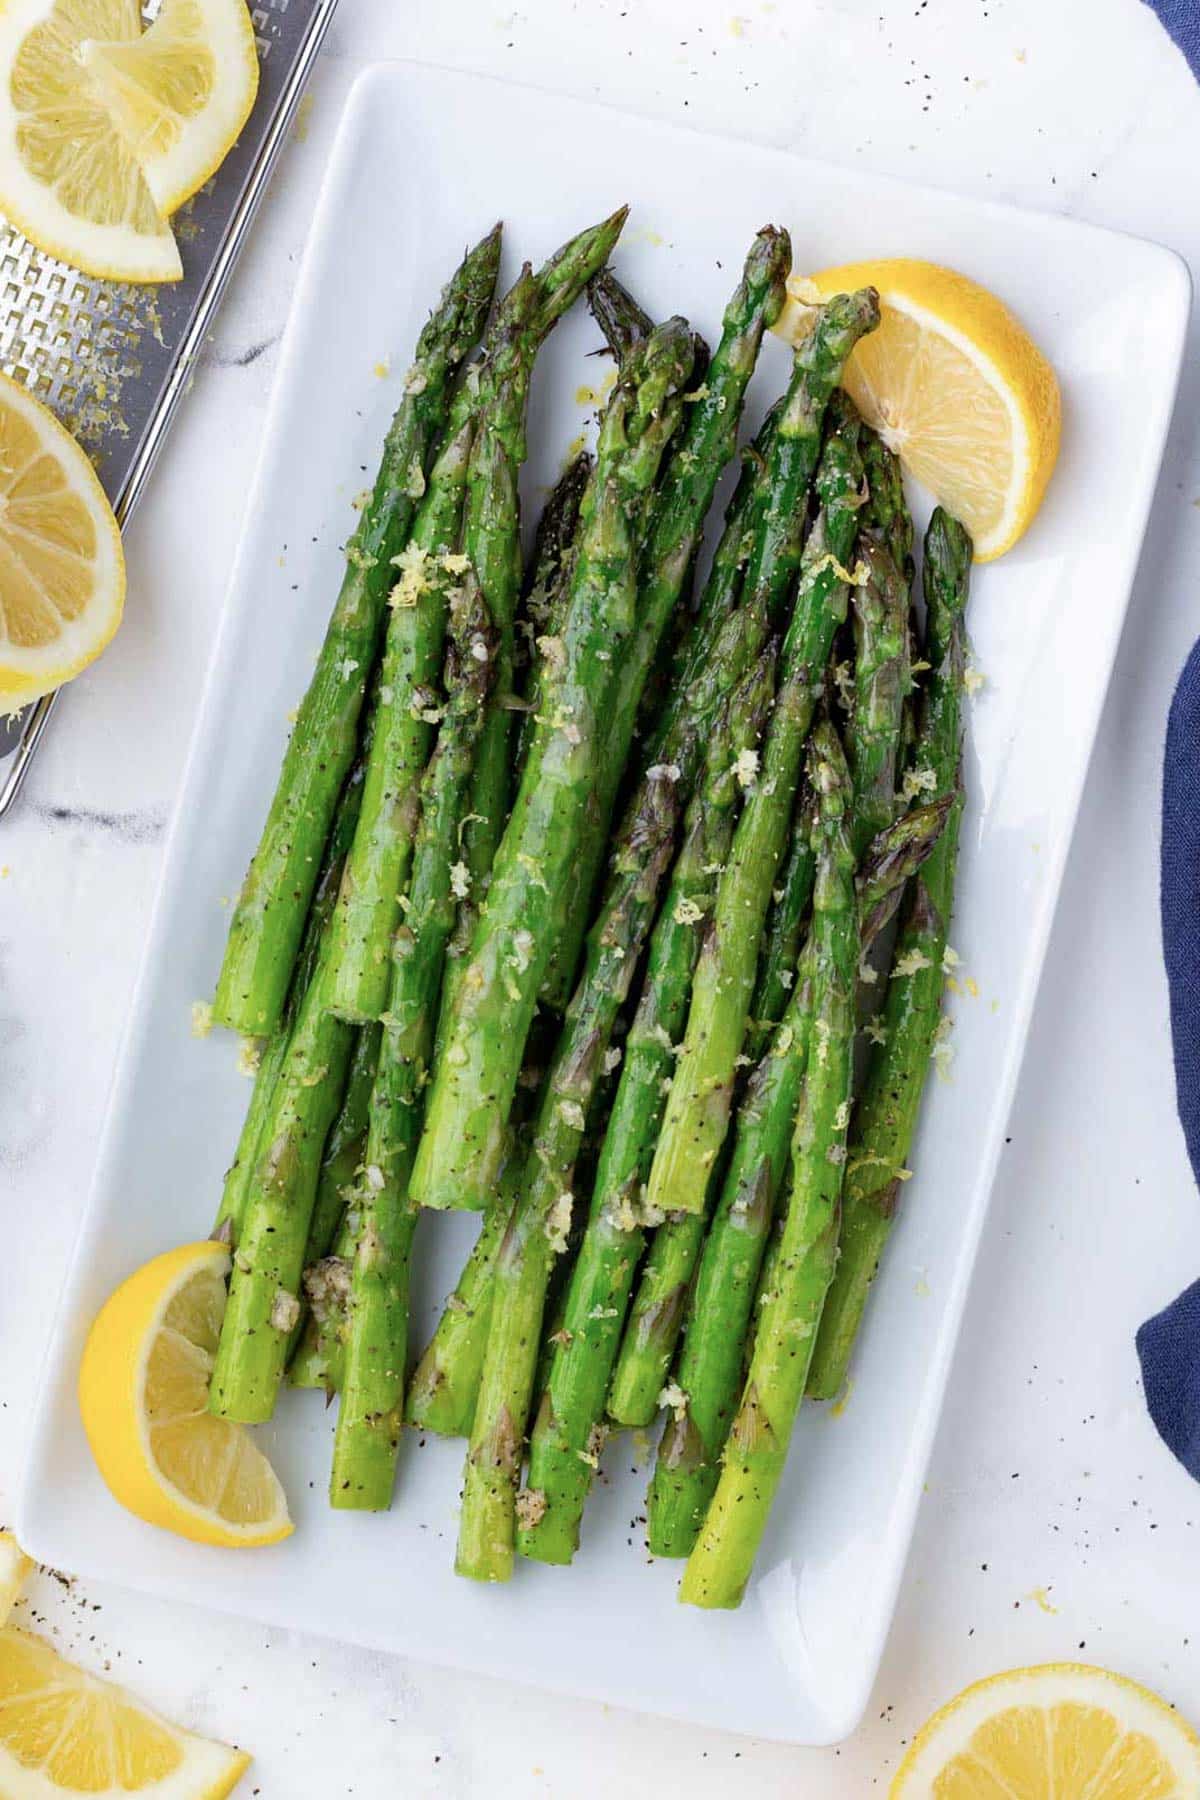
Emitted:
<point x="63" y="1731"/>
<point x="62" y="570"/>
<point x="14" y="1567"/>
<point x="143" y="1393"/>
<point x="68" y="179"/>
<point x="1059" y="1732"/>
<point x="180" y="93"/>
<point x="955" y="385"/>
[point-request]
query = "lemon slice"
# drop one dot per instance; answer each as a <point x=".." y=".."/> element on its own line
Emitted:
<point x="955" y="385"/>
<point x="181" y="92"/>
<point x="62" y="570"/>
<point x="68" y="179"/>
<point x="1059" y="1732"/>
<point x="14" y="1567"/>
<point x="143" y="1393"/>
<point x="63" y="1731"/>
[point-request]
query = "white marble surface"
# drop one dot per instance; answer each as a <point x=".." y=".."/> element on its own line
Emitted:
<point x="1055" y="1525"/>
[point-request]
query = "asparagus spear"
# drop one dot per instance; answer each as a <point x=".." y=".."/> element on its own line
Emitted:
<point x="540" y="1220"/>
<point x="785" y="930"/>
<point x="881" y="686"/>
<point x="886" y="1115"/>
<point x="445" y="1382"/>
<point x="263" y="1306"/>
<point x="697" y="1111"/>
<point x="491" y="792"/>
<point x="268" y="922"/>
<point x="475" y="1078"/>
<point x="345" y="1147"/>
<point x="546" y="590"/>
<point x="621" y="320"/>
<point x="602" y="1279"/>
<point x="685" y="494"/>
<point x="709" y="1371"/>
<point x="368" y="905"/>
<point x="887" y="511"/>
<point x="478" y="467"/>
<point x="372" y="1388"/>
<point x="720" y="1563"/>
<point x="274" y="1050"/>
<point x="319" y="1357"/>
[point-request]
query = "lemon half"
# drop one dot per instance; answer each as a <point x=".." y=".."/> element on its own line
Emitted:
<point x="62" y="569"/>
<point x="1059" y="1732"/>
<point x="143" y="1394"/>
<point x="955" y="385"/>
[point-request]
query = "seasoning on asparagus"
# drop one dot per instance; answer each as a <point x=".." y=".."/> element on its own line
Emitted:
<point x="472" y="1090"/>
<point x="273" y="1051"/>
<point x="720" y="1563"/>
<point x="706" y="444"/>
<point x="268" y="922"/>
<point x="444" y="1385"/>
<point x="697" y="1111"/>
<point x="886" y="1115"/>
<point x="572" y="1407"/>
<point x="707" y="1378"/>
<point x="544" y="601"/>
<point x="784" y="933"/>
<point x="263" y="1306"/>
<point x="471" y="1095"/>
<point x="370" y="1415"/>
<point x="621" y="319"/>
<point x="540" y="1221"/>
<point x="478" y="470"/>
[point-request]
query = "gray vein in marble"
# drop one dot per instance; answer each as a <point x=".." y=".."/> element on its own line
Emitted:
<point x="135" y="827"/>
<point x="244" y="359"/>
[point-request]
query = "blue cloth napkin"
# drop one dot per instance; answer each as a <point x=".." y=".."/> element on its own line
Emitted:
<point x="1169" y="1344"/>
<point x="1182" y="20"/>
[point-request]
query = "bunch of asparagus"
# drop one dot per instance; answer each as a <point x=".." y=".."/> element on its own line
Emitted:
<point x="569" y="907"/>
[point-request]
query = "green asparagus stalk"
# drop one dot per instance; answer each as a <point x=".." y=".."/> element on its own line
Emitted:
<point x="368" y="907"/>
<point x="655" y="1318"/>
<point x="540" y="1220"/>
<point x="345" y="1147"/>
<point x="785" y="930"/>
<point x="698" y="1107"/>
<point x="445" y="1382"/>
<point x="495" y="553"/>
<point x="881" y="684"/>
<point x="544" y="601"/>
<point x="367" y="1440"/>
<point x="478" y="469"/>
<point x="273" y="1051"/>
<point x="886" y="1116"/>
<point x="263" y="1306"/>
<point x="268" y="923"/>
<point x="622" y="321"/>
<point x="572" y="1405"/>
<point x="706" y="445"/>
<point x="719" y="1565"/>
<point x="319" y="1357"/>
<point x="709" y="1372"/>
<point x="473" y="1085"/>
<point x="887" y="512"/>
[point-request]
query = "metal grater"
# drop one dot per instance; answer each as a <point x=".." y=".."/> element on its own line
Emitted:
<point x="113" y="359"/>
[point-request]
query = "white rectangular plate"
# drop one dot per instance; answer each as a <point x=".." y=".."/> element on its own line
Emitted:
<point x="425" y="162"/>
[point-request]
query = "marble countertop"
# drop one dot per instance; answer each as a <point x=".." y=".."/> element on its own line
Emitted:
<point x="1055" y="1525"/>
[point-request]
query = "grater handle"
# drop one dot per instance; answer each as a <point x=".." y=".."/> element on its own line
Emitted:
<point x="36" y="719"/>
